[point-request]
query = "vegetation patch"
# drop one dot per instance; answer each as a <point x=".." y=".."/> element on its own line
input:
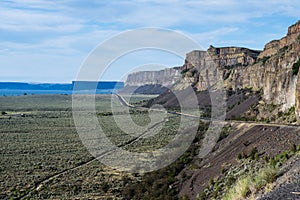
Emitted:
<point x="253" y="174"/>
<point x="295" y="67"/>
<point x="227" y="74"/>
<point x="264" y="59"/>
<point x="283" y="49"/>
<point x="185" y="70"/>
<point x="161" y="184"/>
<point x="269" y="113"/>
<point x="225" y="132"/>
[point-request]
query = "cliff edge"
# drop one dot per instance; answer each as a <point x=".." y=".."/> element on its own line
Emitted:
<point x="151" y="82"/>
<point x="273" y="71"/>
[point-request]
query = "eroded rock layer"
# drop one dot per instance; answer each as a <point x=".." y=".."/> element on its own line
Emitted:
<point x="273" y="70"/>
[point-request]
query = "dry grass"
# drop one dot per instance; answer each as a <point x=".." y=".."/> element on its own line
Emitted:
<point x="251" y="183"/>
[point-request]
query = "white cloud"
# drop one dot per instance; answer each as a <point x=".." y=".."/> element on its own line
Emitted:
<point x="68" y="45"/>
<point x="66" y="15"/>
<point x="212" y="37"/>
<point x="70" y="29"/>
<point x="35" y="4"/>
<point x="13" y="19"/>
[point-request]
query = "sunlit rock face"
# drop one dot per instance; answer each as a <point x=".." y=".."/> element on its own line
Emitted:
<point x="270" y="70"/>
<point x="274" y="46"/>
<point x="151" y="82"/>
<point x="166" y="77"/>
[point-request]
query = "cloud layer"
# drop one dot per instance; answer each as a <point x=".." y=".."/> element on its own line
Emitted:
<point x="68" y="30"/>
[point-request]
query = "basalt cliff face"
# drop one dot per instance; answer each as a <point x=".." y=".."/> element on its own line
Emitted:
<point x="151" y="82"/>
<point x="203" y="68"/>
<point x="274" y="70"/>
<point x="166" y="77"/>
<point x="274" y="46"/>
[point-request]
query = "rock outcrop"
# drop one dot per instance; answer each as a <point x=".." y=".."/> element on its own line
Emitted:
<point x="270" y="70"/>
<point x="166" y="77"/>
<point x="151" y="82"/>
<point x="223" y="57"/>
<point x="273" y="73"/>
<point x="204" y="68"/>
<point x="274" y="46"/>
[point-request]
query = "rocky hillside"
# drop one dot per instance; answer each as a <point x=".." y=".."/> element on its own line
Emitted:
<point x="250" y="160"/>
<point x="274" y="71"/>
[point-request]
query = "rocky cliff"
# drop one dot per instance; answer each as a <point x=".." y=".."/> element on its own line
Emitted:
<point x="274" y="46"/>
<point x="166" y="77"/>
<point x="203" y="68"/>
<point x="274" y="70"/>
<point x="151" y="82"/>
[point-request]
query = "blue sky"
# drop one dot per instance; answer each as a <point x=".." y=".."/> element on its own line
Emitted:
<point x="48" y="40"/>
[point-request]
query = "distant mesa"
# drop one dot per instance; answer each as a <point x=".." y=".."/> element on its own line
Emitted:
<point x="151" y="82"/>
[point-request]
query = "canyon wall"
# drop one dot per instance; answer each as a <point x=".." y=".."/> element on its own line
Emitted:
<point x="274" y="46"/>
<point x="151" y="82"/>
<point x="203" y="69"/>
<point x="270" y="70"/>
<point x="166" y="77"/>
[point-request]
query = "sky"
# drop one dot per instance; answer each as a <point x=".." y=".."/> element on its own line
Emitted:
<point x="49" y="40"/>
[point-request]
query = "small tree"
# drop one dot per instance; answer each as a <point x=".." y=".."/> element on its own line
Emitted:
<point x="253" y="152"/>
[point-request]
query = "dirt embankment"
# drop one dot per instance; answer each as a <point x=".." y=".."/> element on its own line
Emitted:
<point x="269" y="140"/>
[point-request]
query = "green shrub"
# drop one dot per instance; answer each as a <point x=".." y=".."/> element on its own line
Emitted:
<point x="253" y="153"/>
<point x="223" y="170"/>
<point x="194" y="72"/>
<point x="243" y="187"/>
<point x="294" y="148"/>
<point x="184" y="71"/>
<point x="202" y="196"/>
<point x="265" y="176"/>
<point x="224" y="134"/>
<point x="251" y="183"/>
<point x="291" y="110"/>
<point x="185" y="197"/>
<point x="240" y="190"/>
<point x="266" y="159"/>
<point x="105" y="187"/>
<point x="296" y="67"/>
<point x="265" y="59"/>
<point x="239" y="156"/>
<point x="272" y="162"/>
<point x="226" y="75"/>
<point x="256" y="156"/>
<point x="283" y="49"/>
